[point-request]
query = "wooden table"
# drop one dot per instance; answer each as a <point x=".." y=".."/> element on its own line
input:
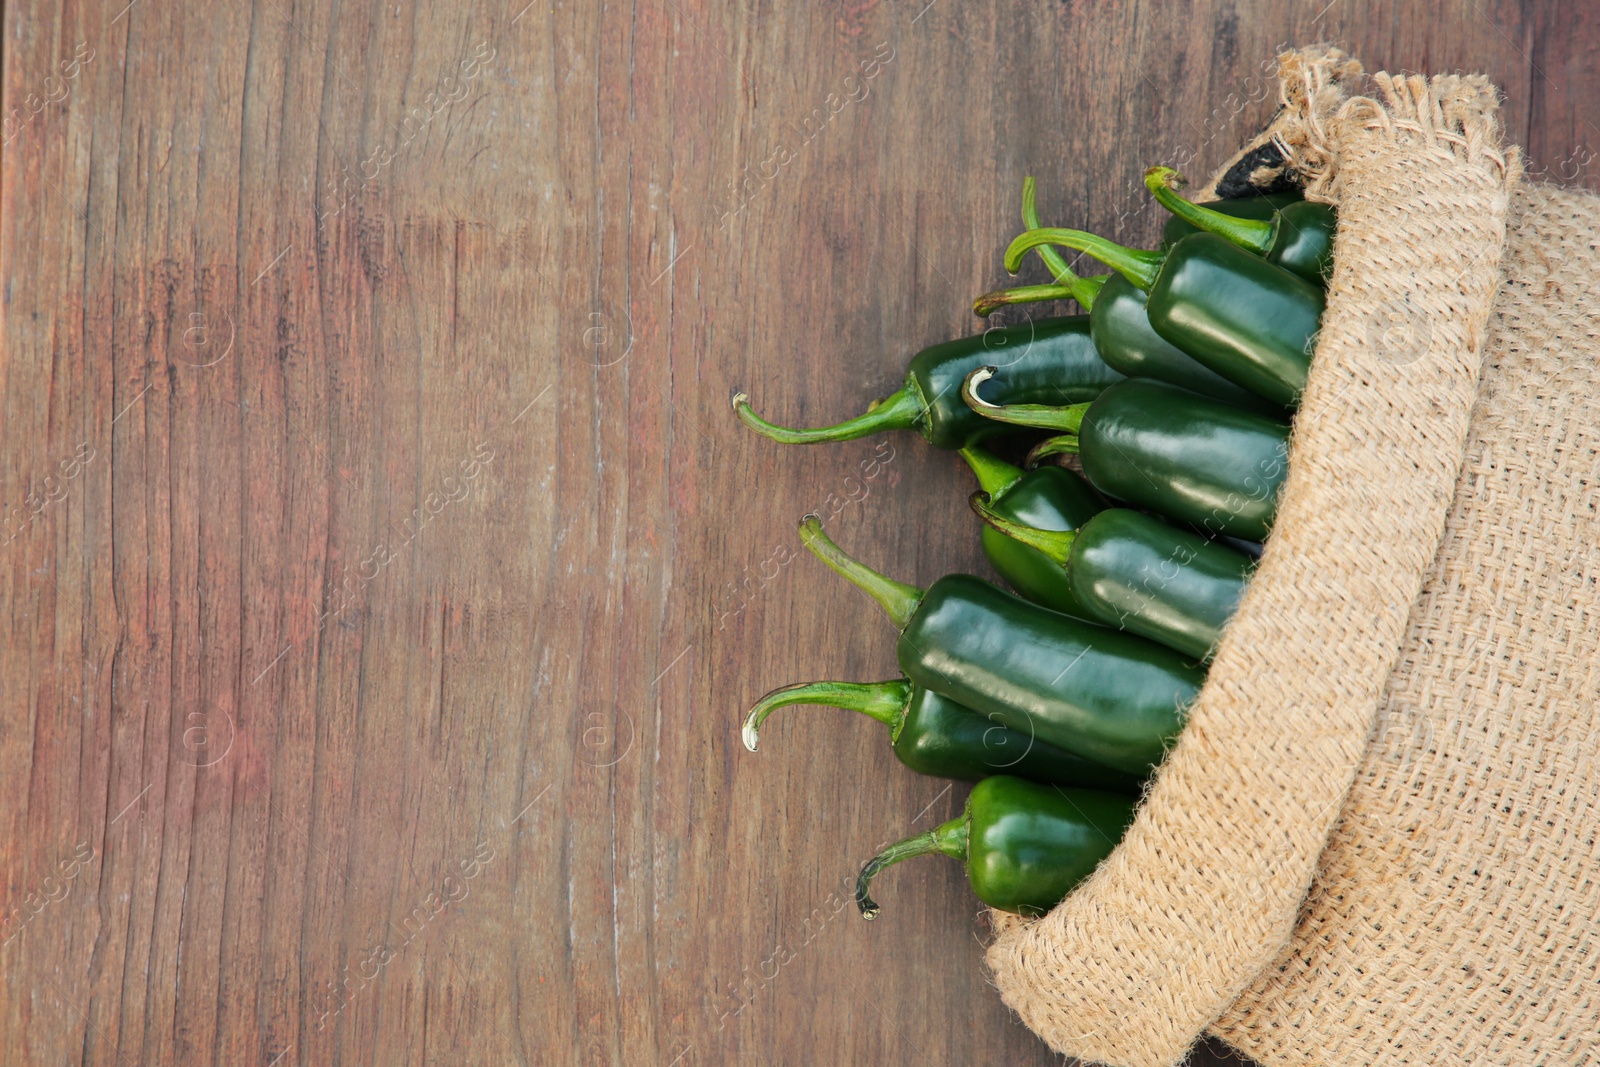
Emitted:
<point x="385" y="572"/>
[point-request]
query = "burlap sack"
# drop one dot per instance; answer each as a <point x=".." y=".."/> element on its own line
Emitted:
<point x="1375" y="842"/>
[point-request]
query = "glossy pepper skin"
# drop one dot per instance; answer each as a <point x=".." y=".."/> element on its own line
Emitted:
<point x="1049" y="498"/>
<point x="1246" y="319"/>
<point x="1047" y="361"/>
<point x="1218" y="466"/>
<point x="1133" y="572"/>
<point x="934" y="735"/>
<point x="1191" y="458"/>
<point x="1246" y="207"/>
<point x="1109" y="697"/>
<point x="1025" y="846"/>
<point x="1249" y="321"/>
<point x="1297" y="236"/>
<point x="1112" y="698"/>
<point x="1120" y="327"/>
<point x="1118" y="322"/>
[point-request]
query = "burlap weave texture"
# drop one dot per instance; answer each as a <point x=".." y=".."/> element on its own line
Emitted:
<point x="1375" y="842"/>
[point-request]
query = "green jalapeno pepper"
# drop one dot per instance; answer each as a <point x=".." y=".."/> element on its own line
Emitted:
<point x="1297" y="237"/>
<point x="1118" y="323"/>
<point x="1051" y="498"/>
<point x="1248" y="320"/>
<point x="1113" y="698"/>
<point x="1134" y="572"/>
<point x="1263" y="206"/>
<point x="1048" y="360"/>
<point x="1121" y="330"/>
<point x="934" y="735"/>
<point x="1025" y="845"/>
<point x="1191" y="458"/>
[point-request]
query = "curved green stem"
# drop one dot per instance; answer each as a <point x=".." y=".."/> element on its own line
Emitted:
<point x="1138" y="265"/>
<point x="989" y="303"/>
<point x="1065" y="445"/>
<point x="1041" y="416"/>
<point x="1055" y="544"/>
<point x="1068" y="284"/>
<point x="884" y="701"/>
<point x="901" y="410"/>
<point x="950" y="839"/>
<point x="1253" y="235"/>
<point x="995" y="475"/>
<point x="1030" y="220"/>
<point x="898" y="600"/>
<point x="1081" y="289"/>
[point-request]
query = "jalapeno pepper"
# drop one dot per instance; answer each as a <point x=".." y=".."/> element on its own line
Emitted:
<point x="1248" y="320"/>
<point x="1051" y="498"/>
<point x="1051" y="360"/>
<point x="1191" y="458"/>
<point x="1112" y="698"/>
<point x="1134" y="572"/>
<point x="934" y="735"/>
<point x="1297" y="237"/>
<point x="1121" y="330"/>
<point x="1025" y="845"/>
<point x="1118" y="324"/>
<point x="1244" y="207"/>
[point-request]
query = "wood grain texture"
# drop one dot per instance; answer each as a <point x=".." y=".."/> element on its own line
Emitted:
<point x="385" y="574"/>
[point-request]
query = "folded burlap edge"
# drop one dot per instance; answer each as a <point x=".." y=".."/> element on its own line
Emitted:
<point x="1203" y="892"/>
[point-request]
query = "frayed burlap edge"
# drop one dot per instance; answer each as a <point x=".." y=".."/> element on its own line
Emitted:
<point x="1312" y="82"/>
<point x="1204" y="890"/>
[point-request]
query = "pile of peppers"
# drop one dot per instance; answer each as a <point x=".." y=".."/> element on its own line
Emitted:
<point x="1161" y="421"/>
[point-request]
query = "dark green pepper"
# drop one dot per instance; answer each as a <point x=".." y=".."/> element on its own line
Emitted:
<point x="1136" y="573"/>
<point x="1051" y="360"/>
<point x="1112" y="698"/>
<point x="1025" y="845"/>
<point x="934" y="735"/>
<point x="1120" y="327"/>
<point x="1051" y="498"/>
<point x="1248" y="320"/>
<point x="1118" y="323"/>
<point x="1297" y="237"/>
<point x="1246" y="207"/>
<point x="1191" y="458"/>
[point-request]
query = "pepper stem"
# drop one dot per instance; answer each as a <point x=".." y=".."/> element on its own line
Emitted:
<point x="884" y="701"/>
<point x="989" y="303"/>
<point x="901" y="410"/>
<point x="1042" y="416"/>
<point x="950" y="838"/>
<point x="1055" y="544"/>
<point x="1083" y="290"/>
<point x="897" y="599"/>
<point x="1136" y="264"/>
<point x="1065" y="445"/>
<point x="995" y="475"/>
<point x="1253" y="235"/>
<point x="1068" y="286"/>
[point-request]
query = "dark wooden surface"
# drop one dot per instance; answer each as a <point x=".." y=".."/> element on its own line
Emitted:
<point x="384" y="572"/>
